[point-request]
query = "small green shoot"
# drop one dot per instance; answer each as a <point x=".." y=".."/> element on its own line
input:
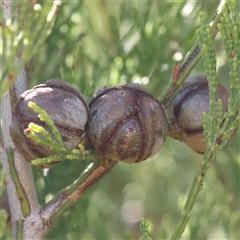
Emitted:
<point x="52" y="140"/>
<point x="144" y="227"/>
<point x="218" y="127"/>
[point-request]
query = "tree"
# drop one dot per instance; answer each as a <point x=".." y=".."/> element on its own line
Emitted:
<point x="94" y="44"/>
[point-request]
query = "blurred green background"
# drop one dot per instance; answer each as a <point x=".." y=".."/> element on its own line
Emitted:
<point x="98" y="43"/>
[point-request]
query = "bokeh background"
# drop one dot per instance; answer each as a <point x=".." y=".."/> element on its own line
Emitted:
<point x="99" y="43"/>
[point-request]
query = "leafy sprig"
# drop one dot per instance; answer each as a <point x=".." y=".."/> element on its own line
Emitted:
<point x="21" y="39"/>
<point x="218" y="127"/>
<point x="144" y="227"/>
<point x="42" y="137"/>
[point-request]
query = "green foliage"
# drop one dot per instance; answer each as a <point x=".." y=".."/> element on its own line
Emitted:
<point x="144" y="229"/>
<point x="42" y="137"/>
<point x="22" y="37"/>
<point x="24" y="201"/>
<point x="93" y="44"/>
<point x="218" y="127"/>
<point x="3" y="220"/>
<point x="5" y="232"/>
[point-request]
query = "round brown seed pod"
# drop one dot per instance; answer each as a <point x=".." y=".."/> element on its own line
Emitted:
<point x="187" y="108"/>
<point x="126" y="123"/>
<point x="65" y="106"/>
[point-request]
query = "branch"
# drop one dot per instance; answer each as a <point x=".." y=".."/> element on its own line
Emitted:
<point x="68" y="196"/>
<point x="21" y="167"/>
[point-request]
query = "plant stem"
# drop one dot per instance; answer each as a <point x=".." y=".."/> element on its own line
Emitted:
<point x="194" y="190"/>
<point x="23" y="199"/>
<point x="68" y="196"/>
<point x="19" y="229"/>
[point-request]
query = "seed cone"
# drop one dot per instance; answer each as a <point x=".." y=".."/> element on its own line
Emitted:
<point x="126" y="123"/>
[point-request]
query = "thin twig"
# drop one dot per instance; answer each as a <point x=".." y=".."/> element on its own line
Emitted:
<point x="68" y="196"/>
